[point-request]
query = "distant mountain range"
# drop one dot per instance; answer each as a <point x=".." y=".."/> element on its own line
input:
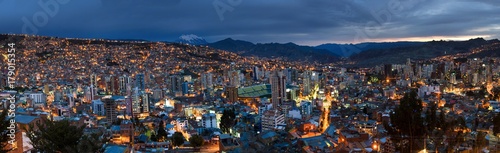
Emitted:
<point x="288" y="51"/>
<point x="191" y="40"/>
<point x="427" y="50"/>
<point x="363" y="54"/>
<point x="346" y="50"/>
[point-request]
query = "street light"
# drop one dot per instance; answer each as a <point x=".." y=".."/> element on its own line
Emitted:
<point x="375" y="146"/>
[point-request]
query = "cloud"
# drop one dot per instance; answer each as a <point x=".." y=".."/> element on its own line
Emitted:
<point x="308" y="22"/>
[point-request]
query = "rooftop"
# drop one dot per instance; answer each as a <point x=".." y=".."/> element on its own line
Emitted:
<point x="24" y="119"/>
<point x="263" y="90"/>
<point x="115" y="149"/>
<point x="318" y="141"/>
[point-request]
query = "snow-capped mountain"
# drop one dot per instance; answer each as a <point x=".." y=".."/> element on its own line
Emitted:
<point x="191" y="39"/>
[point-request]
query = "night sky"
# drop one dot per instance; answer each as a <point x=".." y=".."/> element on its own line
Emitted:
<point x="306" y="22"/>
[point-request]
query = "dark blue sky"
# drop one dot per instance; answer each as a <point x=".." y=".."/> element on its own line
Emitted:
<point x="307" y="22"/>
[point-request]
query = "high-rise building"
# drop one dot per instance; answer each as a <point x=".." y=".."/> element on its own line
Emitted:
<point x="408" y="70"/>
<point x="157" y="94"/>
<point x="291" y="75"/>
<point x="278" y="88"/>
<point x="427" y="70"/>
<point x="140" y="102"/>
<point x="98" y="107"/>
<point x="185" y="88"/>
<point x="136" y="101"/>
<point x="475" y="79"/>
<point x="234" y="78"/>
<point x="115" y="87"/>
<point x="453" y="78"/>
<point x="306" y="83"/>
<point x="256" y="73"/>
<point x="232" y="94"/>
<point x="128" y="101"/>
<point x="71" y="100"/>
<point x="176" y="84"/>
<point x="207" y="81"/>
<point x="145" y="102"/>
<point x="90" y="93"/>
<point x="110" y="107"/>
<point x="140" y="82"/>
<point x="107" y="84"/>
<point x="488" y="73"/>
<point x="388" y="70"/>
<point x="124" y="81"/>
<point x="93" y="80"/>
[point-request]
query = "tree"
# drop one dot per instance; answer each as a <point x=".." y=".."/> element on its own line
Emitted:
<point x="496" y="124"/>
<point x="431" y="117"/>
<point x="442" y="121"/>
<point x="91" y="143"/>
<point x="4" y="123"/>
<point x="58" y="136"/>
<point x="154" y="138"/>
<point x="460" y="123"/>
<point x="139" y="126"/>
<point x="407" y="119"/>
<point x="496" y="93"/>
<point x="196" y="141"/>
<point x="480" y="141"/>
<point x="162" y="134"/>
<point x="388" y="127"/>
<point x="227" y="120"/>
<point x="177" y="139"/>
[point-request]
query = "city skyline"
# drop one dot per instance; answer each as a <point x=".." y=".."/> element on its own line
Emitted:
<point x="301" y="22"/>
<point x="308" y="76"/>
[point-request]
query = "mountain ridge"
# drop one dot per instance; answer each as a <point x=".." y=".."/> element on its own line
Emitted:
<point x="288" y="51"/>
<point x="428" y="50"/>
<point x="191" y="39"/>
<point x="346" y="50"/>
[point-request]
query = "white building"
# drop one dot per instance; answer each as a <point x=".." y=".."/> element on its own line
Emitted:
<point x="272" y="119"/>
<point x="428" y="89"/>
<point x="180" y="124"/>
<point x="71" y="100"/>
<point x="38" y="99"/>
<point x="140" y="102"/>
<point x="136" y="101"/>
<point x="90" y="93"/>
<point x="123" y="81"/>
<point x="209" y="120"/>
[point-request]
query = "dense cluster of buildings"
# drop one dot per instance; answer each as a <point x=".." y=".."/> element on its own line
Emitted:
<point x="279" y="106"/>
